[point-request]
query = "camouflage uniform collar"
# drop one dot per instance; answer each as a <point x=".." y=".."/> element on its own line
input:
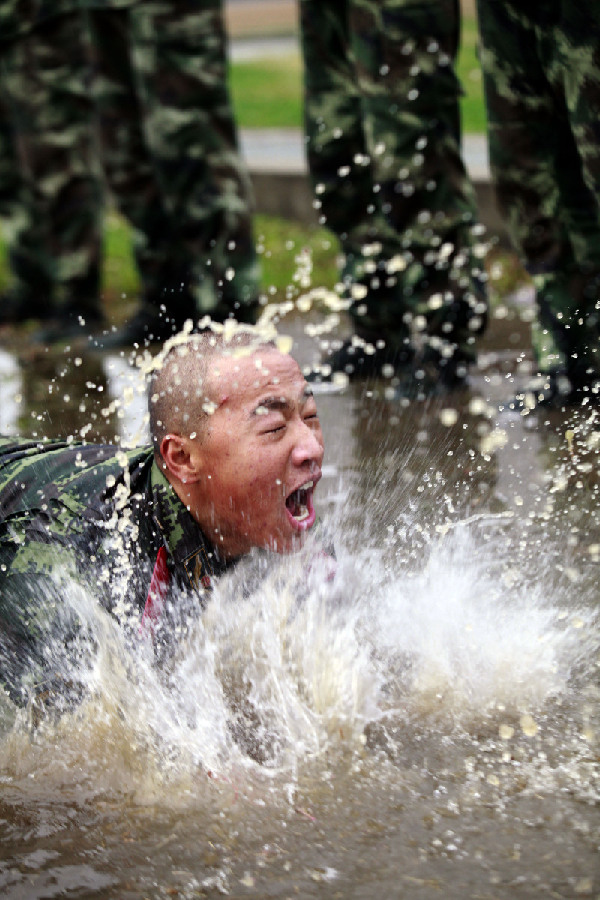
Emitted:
<point x="186" y="544"/>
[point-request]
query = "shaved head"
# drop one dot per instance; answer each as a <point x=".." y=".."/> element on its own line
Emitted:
<point x="237" y="436"/>
<point x="181" y="390"/>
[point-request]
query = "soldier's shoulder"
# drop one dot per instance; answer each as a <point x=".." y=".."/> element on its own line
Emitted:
<point x="33" y="475"/>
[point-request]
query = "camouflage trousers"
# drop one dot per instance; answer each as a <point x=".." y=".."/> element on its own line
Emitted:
<point x="383" y="143"/>
<point x="27" y="264"/>
<point x="170" y="152"/>
<point x="541" y="65"/>
<point x="50" y="182"/>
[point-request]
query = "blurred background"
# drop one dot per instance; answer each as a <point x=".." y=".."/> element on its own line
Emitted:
<point x="266" y="83"/>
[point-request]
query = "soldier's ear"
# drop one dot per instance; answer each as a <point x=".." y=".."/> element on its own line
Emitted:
<point x="181" y="458"/>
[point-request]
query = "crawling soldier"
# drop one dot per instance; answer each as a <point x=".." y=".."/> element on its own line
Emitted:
<point x="235" y="457"/>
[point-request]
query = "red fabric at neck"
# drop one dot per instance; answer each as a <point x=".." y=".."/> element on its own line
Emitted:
<point x="157" y="592"/>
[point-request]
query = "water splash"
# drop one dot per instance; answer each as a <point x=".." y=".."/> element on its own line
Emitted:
<point x="294" y="663"/>
<point x="476" y="635"/>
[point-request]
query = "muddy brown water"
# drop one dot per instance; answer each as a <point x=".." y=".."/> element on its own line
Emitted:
<point x="423" y="724"/>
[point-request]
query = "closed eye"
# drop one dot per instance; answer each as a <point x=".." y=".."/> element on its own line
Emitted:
<point x="274" y="429"/>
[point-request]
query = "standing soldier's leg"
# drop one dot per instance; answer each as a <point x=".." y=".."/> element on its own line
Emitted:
<point x="577" y="71"/>
<point x="405" y="54"/>
<point x="347" y="198"/>
<point x="48" y="87"/>
<point x="133" y="180"/>
<point x="30" y="293"/>
<point x="340" y="168"/>
<point x="537" y="172"/>
<point x="10" y="190"/>
<point x="522" y="135"/>
<point x="183" y="67"/>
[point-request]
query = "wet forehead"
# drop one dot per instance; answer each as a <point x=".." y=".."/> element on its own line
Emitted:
<point x="245" y="381"/>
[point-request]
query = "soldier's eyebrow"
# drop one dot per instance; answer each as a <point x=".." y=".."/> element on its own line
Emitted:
<point x="279" y="404"/>
<point x="269" y="404"/>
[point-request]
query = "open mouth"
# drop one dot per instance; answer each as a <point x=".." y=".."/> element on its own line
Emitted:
<point x="299" y="503"/>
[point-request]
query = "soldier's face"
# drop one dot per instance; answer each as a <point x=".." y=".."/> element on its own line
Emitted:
<point x="260" y="456"/>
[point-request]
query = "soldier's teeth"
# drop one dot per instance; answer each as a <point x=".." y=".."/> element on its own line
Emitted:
<point x="302" y="514"/>
<point x="297" y="502"/>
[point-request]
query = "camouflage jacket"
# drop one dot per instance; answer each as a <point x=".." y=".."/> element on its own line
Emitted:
<point x="66" y="507"/>
<point x="104" y="517"/>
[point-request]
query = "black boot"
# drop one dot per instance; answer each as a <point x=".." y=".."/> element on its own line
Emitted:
<point x="151" y="324"/>
<point x="552" y="390"/>
<point x="17" y="306"/>
<point x="357" y="359"/>
<point x="67" y="326"/>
